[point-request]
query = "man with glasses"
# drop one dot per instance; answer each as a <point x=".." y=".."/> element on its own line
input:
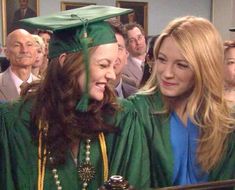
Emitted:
<point x="137" y="47"/>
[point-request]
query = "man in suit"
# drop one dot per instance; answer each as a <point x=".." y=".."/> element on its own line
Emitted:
<point x="121" y="84"/>
<point x="21" y="53"/>
<point x="137" y="47"/>
<point x="23" y="12"/>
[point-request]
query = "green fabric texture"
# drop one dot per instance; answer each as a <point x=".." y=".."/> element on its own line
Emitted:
<point x="146" y="136"/>
<point x="141" y="152"/>
<point x="19" y="155"/>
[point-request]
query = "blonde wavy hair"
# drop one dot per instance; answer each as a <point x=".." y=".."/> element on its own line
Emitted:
<point x="39" y="42"/>
<point x="202" y="47"/>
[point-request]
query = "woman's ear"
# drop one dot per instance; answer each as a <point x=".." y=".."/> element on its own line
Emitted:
<point x="62" y="58"/>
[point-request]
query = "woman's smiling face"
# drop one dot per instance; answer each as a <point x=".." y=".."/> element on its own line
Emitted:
<point x="174" y="74"/>
<point x="102" y="62"/>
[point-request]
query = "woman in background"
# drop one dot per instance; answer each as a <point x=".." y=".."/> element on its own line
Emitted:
<point x="37" y="66"/>
<point x="46" y="35"/>
<point x="229" y="71"/>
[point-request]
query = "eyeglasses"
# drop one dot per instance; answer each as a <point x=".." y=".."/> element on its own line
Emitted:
<point x="140" y="37"/>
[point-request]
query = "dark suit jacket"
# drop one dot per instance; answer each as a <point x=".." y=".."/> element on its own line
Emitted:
<point x="29" y="13"/>
<point x="17" y="16"/>
<point x="146" y="75"/>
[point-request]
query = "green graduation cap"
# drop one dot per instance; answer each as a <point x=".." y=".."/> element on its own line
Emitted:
<point x="77" y="30"/>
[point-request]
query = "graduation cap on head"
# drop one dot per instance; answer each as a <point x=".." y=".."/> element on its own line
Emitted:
<point x="77" y="30"/>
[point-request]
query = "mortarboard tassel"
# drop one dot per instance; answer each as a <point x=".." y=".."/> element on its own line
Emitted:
<point x="84" y="101"/>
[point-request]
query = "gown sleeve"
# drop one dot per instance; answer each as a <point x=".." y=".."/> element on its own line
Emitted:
<point x="17" y="153"/>
<point x="6" y="178"/>
<point x="130" y="154"/>
<point x="142" y="150"/>
<point x="226" y="168"/>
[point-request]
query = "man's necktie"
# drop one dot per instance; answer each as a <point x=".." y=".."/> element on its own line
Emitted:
<point x="23" y="85"/>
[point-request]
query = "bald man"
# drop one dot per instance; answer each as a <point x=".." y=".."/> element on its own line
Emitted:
<point x="21" y="53"/>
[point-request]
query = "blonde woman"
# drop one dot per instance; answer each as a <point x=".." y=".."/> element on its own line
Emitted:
<point x="181" y="113"/>
<point x="229" y="71"/>
<point x="39" y="62"/>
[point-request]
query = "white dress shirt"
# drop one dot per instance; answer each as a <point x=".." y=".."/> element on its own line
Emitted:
<point x="17" y="81"/>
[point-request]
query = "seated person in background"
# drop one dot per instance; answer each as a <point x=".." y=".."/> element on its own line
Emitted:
<point x="137" y="47"/>
<point x="46" y="36"/>
<point x="40" y="47"/>
<point x="149" y="60"/>
<point x="123" y="88"/>
<point x="150" y="54"/>
<point x="229" y="71"/>
<point x="21" y="52"/>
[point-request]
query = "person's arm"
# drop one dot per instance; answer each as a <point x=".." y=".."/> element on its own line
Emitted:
<point x="129" y="153"/>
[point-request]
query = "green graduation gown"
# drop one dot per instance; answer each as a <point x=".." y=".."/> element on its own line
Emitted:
<point x="142" y="128"/>
<point x="141" y="152"/>
<point x="19" y="154"/>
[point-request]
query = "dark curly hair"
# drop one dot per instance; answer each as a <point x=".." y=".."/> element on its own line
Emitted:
<point x="54" y="101"/>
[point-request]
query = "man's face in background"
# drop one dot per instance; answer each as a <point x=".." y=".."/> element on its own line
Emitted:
<point x="23" y="4"/>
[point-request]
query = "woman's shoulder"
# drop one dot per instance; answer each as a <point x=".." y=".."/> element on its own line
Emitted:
<point x="143" y="101"/>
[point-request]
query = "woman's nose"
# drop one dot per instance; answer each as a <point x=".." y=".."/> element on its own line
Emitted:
<point x="111" y="74"/>
<point x="169" y="71"/>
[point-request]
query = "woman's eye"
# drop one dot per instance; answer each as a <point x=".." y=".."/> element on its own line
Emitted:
<point x="161" y="59"/>
<point x="230" y="62"/>
<point x="183" y="65"/>
<point x="103" y="65"/>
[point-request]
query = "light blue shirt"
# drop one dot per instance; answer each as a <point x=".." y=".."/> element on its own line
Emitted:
<point x="184" y="143"/>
